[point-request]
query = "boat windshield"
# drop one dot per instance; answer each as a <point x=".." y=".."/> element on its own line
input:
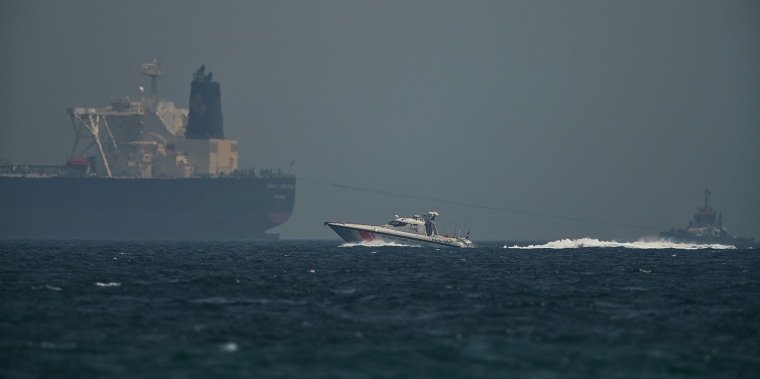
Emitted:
<point x="397" y="224"/>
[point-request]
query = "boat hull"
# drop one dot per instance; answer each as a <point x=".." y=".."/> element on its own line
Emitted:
<point x="360" y="233"/>
<point x="144" y="209"/>
<point x="682" y="236"/>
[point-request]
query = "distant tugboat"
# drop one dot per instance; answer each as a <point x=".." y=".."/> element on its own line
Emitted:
<point x="705" y="228"/>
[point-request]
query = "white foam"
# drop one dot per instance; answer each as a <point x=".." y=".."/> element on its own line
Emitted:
<point x="373" y="243"/>
<point x="229" y="347"/>
<point x="641" y="244"/>
<point x="47" y="287"/>
<point x="109" y="284"/>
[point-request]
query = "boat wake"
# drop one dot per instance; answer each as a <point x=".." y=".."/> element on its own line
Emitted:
<point x="641" y="244"/>
<point x="375" y="243"/>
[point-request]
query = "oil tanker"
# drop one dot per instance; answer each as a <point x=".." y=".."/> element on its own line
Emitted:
<point x="146" y="169"/>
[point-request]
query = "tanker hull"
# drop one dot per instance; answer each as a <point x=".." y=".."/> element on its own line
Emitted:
<point x="243" y="208"/>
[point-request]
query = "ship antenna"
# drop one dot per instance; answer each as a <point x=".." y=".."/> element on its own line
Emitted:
<point x="707" y="199"/>
<point x="153" y="71"/>
<point x="468" y="220"/>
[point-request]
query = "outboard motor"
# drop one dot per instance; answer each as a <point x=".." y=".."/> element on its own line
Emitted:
<point x="205" y="117"/>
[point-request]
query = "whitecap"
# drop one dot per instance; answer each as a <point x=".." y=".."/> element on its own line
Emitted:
<point x="229" y="347"/>
<point x="47" y="287"/>
<point x="109" y="284"/>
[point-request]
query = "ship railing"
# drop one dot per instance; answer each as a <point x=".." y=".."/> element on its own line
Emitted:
<point x="66" y="171"/>
<point x="258" y="173"/>
<point x="34" y="170"/>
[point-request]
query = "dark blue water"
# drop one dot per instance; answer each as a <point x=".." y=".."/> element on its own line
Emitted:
<point x="318" y="310"/>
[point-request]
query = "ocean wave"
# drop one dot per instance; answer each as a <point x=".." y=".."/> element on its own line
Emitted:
<point x="47" y="287"/>
<point x="641" y="244"/>
<point x="229" y="347"/>
<point x="109" y="284"/>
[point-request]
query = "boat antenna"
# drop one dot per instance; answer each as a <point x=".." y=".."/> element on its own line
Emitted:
<point x="292" y="161"/>
<point x="468" y="220"/>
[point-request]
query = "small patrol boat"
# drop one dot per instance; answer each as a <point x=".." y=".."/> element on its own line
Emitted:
<point x="415" y="230"/>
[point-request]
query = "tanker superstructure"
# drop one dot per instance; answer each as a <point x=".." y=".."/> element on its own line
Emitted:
<point x="147" y="169"/>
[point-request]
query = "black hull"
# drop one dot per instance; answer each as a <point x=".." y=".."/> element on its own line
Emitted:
<point x="144" y="209"/>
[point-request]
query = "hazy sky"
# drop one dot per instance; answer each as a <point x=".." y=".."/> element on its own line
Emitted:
<point x="522" y="119"/>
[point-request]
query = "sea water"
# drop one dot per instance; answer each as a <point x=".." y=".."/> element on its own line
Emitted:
<point x="324" y="309"/>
